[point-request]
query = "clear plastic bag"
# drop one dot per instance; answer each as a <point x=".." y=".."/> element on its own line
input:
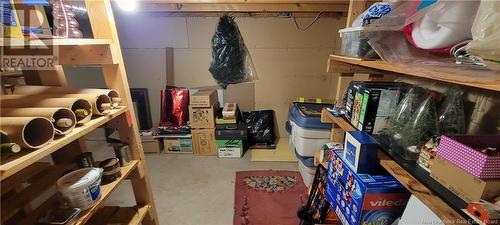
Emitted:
<point x="404" y="112"/>
<point x="421" y="127"/>
<point x="231" y="62"/>
<point x="452" y="114"/>
<point x="486" y="34"/>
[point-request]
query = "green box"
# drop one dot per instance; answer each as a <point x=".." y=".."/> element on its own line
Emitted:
<point x="230" y="148"/>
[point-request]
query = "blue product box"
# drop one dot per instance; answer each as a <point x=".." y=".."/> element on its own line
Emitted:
<point x="362" y="199"/>
<point x="361" y="152"/>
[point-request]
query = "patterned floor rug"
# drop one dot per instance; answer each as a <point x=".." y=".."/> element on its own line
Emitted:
<point x="268" y="197"/>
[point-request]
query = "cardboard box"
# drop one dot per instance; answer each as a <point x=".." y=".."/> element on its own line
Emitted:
<point x="377" y="104"/>
<point x="360" y="152"/>
<point x="463" y="184"/>
<point x="230" y="111"/>
<point x="178" y="145"/>
<point x="204" y="142"/>
<point x="230" y="148"/>
<point x="203" y="98"/>
<point x="242" y="93"/>
<point x="149" y="144"/>
<point x="361" y="198"/>
<point x="427" y="154"/>
<point x="462" y="151"/>
<point x="353" y="106"/>
<point x="202" y="117"/>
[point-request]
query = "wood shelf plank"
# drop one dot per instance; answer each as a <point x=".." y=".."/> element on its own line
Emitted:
<point x="65" y="51"/>
<point x="478" y="78"/>
<point x="19" y="42"/>
<point x="446" y="205"/>
<point x="106" y="191"/>
<point x="338" y="121"/>
<point x="440" y="200"/>
<point x="14" y="163"/>
<point x="39" y="181"/>
<point x="119" y="215"/>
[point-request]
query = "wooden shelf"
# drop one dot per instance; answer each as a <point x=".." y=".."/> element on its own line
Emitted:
<point x="119" y="215"/>
<point x="54" y="200"/>
<point x="104" y="51"/>
<point x="444" y="203"/>
<point x="37" y="178"/>
<point x="11" y="164"/>
<point x="106" y="191"/>
<point x="463" y="75"/>
<point x="339" y="121"/>
<point x="19" y="42"/>
<point x="66" y="51"/>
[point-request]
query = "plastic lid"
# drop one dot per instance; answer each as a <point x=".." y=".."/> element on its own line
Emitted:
<point x="79" y="178"/>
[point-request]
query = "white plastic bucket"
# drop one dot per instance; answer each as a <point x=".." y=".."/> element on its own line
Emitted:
<point x="81" y="188"/>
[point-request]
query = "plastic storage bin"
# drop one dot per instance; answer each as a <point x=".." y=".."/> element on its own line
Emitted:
<point x="307" y="173"/>
<point x="307" y="141"/>
<point x="355" y="43"/>
<point x="308" y="134"/>
<point x="308" y="115"/>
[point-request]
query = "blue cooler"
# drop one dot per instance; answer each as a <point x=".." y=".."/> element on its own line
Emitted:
<point x="308" y="134"/>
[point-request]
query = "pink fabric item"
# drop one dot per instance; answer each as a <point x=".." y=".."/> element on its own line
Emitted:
<point x="474" y="162"/>
<point x="253" y="207"/>
<point x="408" y="29"/>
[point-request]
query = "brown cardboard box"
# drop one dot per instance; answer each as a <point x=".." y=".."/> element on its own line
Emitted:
<point x="149" y="144"/>
<point x="203" y="98"/>
<point x="202" y="117"/>
<point x="204" y="142"/>
<point x="230" y="111"/>
<point x="463" y="184"/>
<point x="178" y="145"/>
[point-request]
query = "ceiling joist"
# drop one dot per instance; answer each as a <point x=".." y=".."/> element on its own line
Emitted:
<point x="248" y="6"/>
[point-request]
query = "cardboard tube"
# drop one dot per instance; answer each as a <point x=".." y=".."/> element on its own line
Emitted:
<point x="29" y="132"/>
<point x="97" y="100"/>
<point x="52" y="114"/>
<point x="4" y="138"/>
<point x="22" y="101"/>
<point x="34" y="89"/>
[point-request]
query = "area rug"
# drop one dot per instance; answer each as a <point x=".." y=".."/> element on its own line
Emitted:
<point x="268" y="197"/>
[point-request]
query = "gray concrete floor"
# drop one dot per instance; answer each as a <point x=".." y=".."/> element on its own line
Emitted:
<point x="189" y="190"/>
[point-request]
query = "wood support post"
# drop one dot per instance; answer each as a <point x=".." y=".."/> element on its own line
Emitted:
<point x="104" y="27"/>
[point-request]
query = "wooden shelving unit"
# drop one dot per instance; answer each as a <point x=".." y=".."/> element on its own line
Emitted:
<point x="12" y="164"/>
<point x="461" y="75"/>
<point x="445" y="204"/>
<point x="27" y="185"/>
<point x="119" y="215"/>
<point x="439" y="199"/>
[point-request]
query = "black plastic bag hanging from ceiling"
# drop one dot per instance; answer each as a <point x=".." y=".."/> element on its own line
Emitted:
<point x="230" y="63"/>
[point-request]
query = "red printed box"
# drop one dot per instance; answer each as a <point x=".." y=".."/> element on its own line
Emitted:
<point x="465" y="152"/>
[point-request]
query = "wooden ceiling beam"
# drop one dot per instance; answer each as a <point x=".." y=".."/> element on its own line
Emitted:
<point x="250" y="1"/>
<point x="338" y="6"/>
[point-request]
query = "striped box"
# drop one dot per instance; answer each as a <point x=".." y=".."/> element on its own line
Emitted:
<point x="462" y="151"/>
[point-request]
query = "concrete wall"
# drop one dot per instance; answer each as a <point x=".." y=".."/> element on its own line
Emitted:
<point x="289" y="63"/>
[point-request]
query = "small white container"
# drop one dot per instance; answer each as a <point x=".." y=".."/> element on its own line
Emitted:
<point x="81" y="188"/>
<point x="307" y="173"/>
<point x="307" y="141"/>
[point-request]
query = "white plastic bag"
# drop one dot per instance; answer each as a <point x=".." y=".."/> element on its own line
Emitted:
<point x="486" y="34"/>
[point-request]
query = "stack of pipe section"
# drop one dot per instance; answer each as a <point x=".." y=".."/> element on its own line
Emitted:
<point x="32" y="115"/>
